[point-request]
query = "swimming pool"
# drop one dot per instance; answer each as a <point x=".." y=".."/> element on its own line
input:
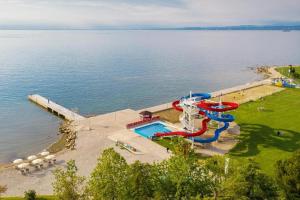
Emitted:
<point x="148" y="131"/>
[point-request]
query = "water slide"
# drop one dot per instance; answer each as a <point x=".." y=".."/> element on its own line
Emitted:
<point x="211" y="111"/>
<point x="215" y="137"/>
<point x="214" y="114"/>
<point x="186" y="134"/>
<point x="224" y="118"/>
<point x="196" y="97"/>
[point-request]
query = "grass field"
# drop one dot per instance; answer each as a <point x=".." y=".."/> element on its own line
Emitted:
<point x="285" y="71"/>
<point x="259" y="138"/>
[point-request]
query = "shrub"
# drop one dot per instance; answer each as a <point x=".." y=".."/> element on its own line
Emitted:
<point x="30" y="195"/>
<point x="2" y="189"/>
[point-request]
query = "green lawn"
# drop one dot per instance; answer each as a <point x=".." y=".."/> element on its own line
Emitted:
<point x="285" y="71"/>
<point x="258" y="137"/>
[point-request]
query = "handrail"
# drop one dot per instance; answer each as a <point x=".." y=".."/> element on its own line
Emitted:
<point x="142" y="122"/>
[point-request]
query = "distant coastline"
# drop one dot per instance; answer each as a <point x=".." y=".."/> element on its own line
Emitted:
<point x="285" y="28"/>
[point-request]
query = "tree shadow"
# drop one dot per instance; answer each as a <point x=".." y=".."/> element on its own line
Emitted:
<point x="254" y="135"/>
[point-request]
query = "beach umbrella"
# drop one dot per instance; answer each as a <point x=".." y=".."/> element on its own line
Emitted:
<point x="32" y="157"/>
<point x="50" y="157"/>
<point x="23" y="165"/>
<point x="45" y="153"/>
<point x="18" y="161"/>
<point x="37" y="161"/>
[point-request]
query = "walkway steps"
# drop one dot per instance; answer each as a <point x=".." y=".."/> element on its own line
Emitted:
<point x="54" y="108"/>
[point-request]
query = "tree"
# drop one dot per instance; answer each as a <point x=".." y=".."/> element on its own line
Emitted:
<point x="181" y="177"/>
<point x="219" y="172"/>
<point x="288" y="176"/>
<point x="68" y="185"/>
<point x="3" y="189"/>
<point x="250" y="183"/>
<point x="182" y="147"/>
<point x="140" y="184"/>
<point x="108" y="180"/>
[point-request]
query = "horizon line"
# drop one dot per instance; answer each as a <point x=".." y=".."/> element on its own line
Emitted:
<point x="137" y="27"/>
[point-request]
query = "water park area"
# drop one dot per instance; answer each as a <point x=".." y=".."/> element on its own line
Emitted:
<point x="242" y="122"/>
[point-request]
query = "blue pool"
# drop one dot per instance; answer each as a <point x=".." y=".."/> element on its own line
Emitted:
<point x="149" y="130"/>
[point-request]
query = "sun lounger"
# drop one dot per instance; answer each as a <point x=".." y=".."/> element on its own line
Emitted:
<point x="23" y="168"/>
<point x="38" y="163"/>
<point x="51" y="159"/>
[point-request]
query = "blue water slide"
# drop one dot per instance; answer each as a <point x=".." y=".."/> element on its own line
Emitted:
<point x="222" y="118"/>
<point x="216" y="136"/>
<point x="199" y="96"/>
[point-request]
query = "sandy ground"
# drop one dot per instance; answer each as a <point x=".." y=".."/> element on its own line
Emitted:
<point x="250" y="94"/>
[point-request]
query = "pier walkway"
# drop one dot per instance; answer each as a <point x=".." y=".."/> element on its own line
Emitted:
<point x="55" y="108"/>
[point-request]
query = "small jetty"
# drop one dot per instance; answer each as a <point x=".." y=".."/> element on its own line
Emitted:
<point x="54" y="108"/>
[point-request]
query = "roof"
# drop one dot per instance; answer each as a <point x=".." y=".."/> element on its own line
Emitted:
<point x="145" y="113"/>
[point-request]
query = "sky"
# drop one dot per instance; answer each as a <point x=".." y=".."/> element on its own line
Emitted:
<point x="147" y="13"/>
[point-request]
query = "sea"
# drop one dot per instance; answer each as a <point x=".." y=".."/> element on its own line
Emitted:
<point x="100" y="71"/>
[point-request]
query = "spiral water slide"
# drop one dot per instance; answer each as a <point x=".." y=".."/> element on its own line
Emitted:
<point x="211" y="111"/>
<point x="175" y="104"/>
<point x="214" y="114"/>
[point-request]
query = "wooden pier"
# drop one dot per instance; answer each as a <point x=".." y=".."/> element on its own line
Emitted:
<point x="54" y="108"/>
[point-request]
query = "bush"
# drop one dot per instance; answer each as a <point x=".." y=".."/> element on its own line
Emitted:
<point x="30" y="195"/>
<point x="2" y="189"/>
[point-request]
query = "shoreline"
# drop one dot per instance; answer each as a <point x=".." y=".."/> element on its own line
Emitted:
<point x="98" y="133"/>
<point x="268" y="73"/>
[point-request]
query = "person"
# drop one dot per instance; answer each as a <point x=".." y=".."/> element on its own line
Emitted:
<point x="168" y="149"/>
<point x="278" y="133"/>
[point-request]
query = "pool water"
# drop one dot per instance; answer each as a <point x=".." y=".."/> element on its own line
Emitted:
<point x="149" y="130"/>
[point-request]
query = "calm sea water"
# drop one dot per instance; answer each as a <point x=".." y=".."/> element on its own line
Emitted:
<point x="102" y="71"/>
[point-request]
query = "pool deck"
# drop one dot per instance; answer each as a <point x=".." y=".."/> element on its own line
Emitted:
<point x="98" y="133"/>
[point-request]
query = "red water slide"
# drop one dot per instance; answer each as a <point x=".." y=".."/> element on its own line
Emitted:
<point x="204" y="122"/>
<point x="176" y="107"/>
<point x="185" y="134"/>
<point x="215" y="107"/>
